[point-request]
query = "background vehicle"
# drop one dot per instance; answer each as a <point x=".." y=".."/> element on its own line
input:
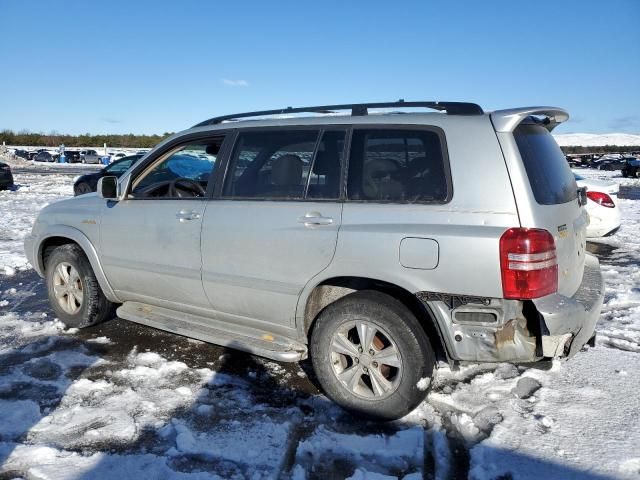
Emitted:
<point x="89" y="156"/>
<point x="366" y="242"/>
<point x="22" y="154"/>
<point x="6" y="178"/>
<point x="88" y="183"/>
<point x="607" y="163"/>
<point x="43" y="156"/>
<point x="631" y="167"/>
<point x="72" y="156"/>
<point x="33" y="153"/>
<point x="604" y="214"/>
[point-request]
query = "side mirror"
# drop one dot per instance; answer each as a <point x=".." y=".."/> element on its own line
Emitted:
<point x="108" y="188"/>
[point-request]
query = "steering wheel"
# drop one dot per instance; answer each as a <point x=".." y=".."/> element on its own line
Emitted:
<point x="185" y="187"/>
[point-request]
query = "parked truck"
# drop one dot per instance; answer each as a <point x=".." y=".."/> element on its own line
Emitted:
<point x="89" y="156"/>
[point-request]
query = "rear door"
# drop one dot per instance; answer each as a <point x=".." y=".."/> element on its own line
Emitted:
<point x="275" y="225"/>
<point x="552" y="202"/>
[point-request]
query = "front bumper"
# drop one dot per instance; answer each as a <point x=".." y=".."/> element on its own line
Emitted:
<point x="569" y="322"/>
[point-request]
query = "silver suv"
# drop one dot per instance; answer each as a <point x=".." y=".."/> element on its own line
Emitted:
<point x="375" y="244"/>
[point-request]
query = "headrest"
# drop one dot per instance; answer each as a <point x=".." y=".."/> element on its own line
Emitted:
<point x="417" y="167"/>
<point x="379" y="167"/>
<point x="213" y="149"/>
<point x="286" y="170"/>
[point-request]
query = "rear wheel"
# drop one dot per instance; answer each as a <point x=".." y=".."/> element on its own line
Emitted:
<point x="371" y="355"/>
<point x="74" y="292"/>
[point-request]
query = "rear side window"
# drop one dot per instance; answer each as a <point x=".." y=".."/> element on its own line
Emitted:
<point x="397" y="166"/>
<point x="550" y="176"/>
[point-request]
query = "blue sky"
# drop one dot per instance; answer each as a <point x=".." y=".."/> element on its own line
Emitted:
<point x="155" y="66"/>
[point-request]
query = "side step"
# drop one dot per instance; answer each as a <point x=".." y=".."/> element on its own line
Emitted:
<point x="262" y="344"/>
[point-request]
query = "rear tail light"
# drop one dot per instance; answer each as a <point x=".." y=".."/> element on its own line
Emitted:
<point x="528" y="263"/>
<point x="601" y="198"/>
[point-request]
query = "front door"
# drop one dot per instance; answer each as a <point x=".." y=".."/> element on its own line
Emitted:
<point x="275" y="226"/>
<point x="150" y="241"/>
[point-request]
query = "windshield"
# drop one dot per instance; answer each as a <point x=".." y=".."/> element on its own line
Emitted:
<point x="120" y="166"/>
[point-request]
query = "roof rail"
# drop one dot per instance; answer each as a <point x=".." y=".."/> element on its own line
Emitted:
<point x="357" y="109"/>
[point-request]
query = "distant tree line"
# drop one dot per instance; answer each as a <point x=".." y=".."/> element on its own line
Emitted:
<point x="55" y="139"/>
<point x="602" y="149"/>
<point x="130" y="140"/>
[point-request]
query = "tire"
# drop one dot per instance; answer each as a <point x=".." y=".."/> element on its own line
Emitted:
<point x="81" y="304"/>
<point x="395" y="328"/>
<point x="82" y="188"/>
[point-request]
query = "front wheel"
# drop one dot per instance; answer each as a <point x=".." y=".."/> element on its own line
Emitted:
<point x="74" y="292"/>
<point x="82" y="188"/>
<point x="371" y="356"/>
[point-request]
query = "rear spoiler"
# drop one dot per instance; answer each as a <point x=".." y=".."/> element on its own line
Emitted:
<point x="507" y="120"/>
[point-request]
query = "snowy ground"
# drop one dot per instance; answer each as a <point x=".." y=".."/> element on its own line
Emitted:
<point x="121" y="400"/>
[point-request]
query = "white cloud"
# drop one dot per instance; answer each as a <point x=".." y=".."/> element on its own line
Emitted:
<point x="235" y="83"/>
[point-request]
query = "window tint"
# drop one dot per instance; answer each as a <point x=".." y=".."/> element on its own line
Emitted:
<point x="550" y="176"/>
<point x="397" y="165"/>
<point x="271" y="164"/>
<point x="193" y="164"/>
<point x="324" y="181"/>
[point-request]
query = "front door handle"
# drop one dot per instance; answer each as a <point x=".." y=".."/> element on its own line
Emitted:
<point x="185" y="215"/>
<point x="314" y="219"/>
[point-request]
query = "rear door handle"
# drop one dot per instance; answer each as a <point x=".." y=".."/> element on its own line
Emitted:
<point x="185" y="215"/>
<point x="315" y="218"/>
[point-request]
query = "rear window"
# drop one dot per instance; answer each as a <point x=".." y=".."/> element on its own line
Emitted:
<point x="549" y="173"/>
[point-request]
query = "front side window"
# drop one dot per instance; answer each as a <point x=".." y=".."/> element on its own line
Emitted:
<point x="271" y="164"/>
<point x="182" y="173"/>
<point x="402" y="166"/>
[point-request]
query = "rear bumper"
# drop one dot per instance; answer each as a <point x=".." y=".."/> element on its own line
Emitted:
<point x="502" y="330"/>
<point x="569" y="322"/>
<point x="603" y="221"/>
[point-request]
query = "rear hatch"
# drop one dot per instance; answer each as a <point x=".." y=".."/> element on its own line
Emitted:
<point x="557" y="207"/>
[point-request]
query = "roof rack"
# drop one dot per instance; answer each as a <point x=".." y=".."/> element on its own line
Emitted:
<point x="357" y="109"/>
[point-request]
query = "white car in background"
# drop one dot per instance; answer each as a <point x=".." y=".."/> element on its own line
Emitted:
<point x="603" y="212"/>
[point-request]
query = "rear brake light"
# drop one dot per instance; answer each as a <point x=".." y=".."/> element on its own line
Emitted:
<point x="528" y="263"/>
<point x="601" y="199"/>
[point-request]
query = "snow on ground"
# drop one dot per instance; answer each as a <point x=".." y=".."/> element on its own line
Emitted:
<point x="597" y="140"/>
<point x="122" y="400"/>
<point x="18" y="209"/>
